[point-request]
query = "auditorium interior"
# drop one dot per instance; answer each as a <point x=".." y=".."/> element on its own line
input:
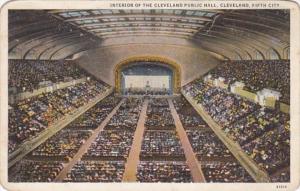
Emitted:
<point x="153" y="95"/>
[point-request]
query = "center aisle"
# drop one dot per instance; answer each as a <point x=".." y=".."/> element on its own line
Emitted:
<point x="61" y="176"/>
<point x="191" y="159"/>
<point x="133" y="158"/>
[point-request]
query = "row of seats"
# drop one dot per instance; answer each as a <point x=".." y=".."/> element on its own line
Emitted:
<point x="159" y="115"/>
<point x="206" y="144"/>
<point x="127" y="116"/>
<point x="94" y="116"/>
<point x="26" y="75"/>
<point x="189" y="118"/>
<point x="96" y="171"/>
<point x="105" y="159"/>
<point x="271" y="151"/>
<point x="217" y="163"/>
<point x="282" y="176"/>
<point x="29" y="117"/>
<point x="111" y="143"/>
<point x="161" y="143"/>
<point x="161" y="158"/>
<point x="256" y="124"/>
<point x="263" y="133"/>
<point x="35" y="171"/>
<point x="225" y="172"/>
<point x="163" y="171"/>
<point x="61" y="147"/>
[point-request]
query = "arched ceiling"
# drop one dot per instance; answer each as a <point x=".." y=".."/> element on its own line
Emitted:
<point x="57" y="34"/>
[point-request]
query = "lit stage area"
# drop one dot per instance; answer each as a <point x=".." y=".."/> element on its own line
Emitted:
<point x="147" y="78"/>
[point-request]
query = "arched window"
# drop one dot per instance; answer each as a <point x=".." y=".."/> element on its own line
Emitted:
<point x="272" y="54"/>
<point x="258" y="55"/>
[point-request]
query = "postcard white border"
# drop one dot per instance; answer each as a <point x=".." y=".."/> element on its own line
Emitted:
<point x="84" y="4"/>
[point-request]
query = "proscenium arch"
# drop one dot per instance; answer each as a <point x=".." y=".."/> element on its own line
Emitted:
<point x="175" y="67"/>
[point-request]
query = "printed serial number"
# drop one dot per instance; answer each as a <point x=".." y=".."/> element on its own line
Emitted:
<point x="281" y="186"/>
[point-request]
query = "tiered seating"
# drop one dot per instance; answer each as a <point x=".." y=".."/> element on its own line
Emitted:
<point x="29" y="117"/>
<point x="256" y="124"/>
<point x="224" y="107"/>
<point x="105" y="159"/>
<point x="159" y="115"/>
<point x="96" y="171"/>
<point x="26" y="75"/>
<point x="65" y="144"/>
<point x="161" y="144"/>
<point x="62" y="146"/>
<point x="161" y="157"/>
<point x="35" y="171"/>
<point x="281" y="176"/>
<point x="111" y="144"/>
<point x="256" y="75"/>
<point x="212" y="153"/>
<point x="206" y="145"/>
<point x="127" y="116"/>
<point x="158" y="171"/>
<point x="92" y="118"/>
<point x="189" y="118"/>
<point x="263" y="133"/>
<point x="225" y="172"/>
<point x="272" y="150"/>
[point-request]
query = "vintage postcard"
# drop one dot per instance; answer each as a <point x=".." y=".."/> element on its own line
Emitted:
<point x="151" y="95"/>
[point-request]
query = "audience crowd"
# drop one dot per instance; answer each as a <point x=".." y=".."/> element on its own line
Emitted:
<point x="29" y="117"/>
<point x="272" y="74"/>
<point x="271" y="151"/>
<point x="158" y="171"/>
<point x="225" y="172"/>
<point x="96" y="171"/>
<point x="161" y="144"/>
<point x="92" y="118"/>
<point x="110" y="144"/>
<point x="263" y="133"/>
<point x="207" y="145"/>
<point x="223" y="106"/>
<point x="159" y="115"/>
<point x="282" y="176"/>
<point x="256" y="124"/>
<point x="127" y="116"/>
<point x="62" y="146"/>
<point x="189" y="118"/>
<point x="35" y="171"/>
<point x="26" y="75"/>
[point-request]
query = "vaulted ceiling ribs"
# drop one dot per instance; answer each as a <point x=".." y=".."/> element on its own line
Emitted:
<point x="36" y="34"/>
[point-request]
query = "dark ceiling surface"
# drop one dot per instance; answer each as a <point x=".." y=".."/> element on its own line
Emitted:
<point x="235" y="34"/>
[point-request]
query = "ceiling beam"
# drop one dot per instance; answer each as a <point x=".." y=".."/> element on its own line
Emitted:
<point x="139" y="16"/>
